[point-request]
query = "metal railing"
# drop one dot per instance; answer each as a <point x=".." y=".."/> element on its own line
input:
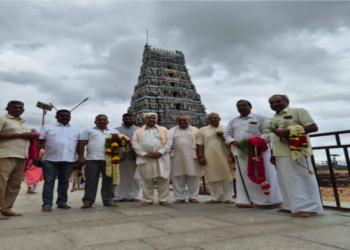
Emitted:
<point x="338" y="145"/>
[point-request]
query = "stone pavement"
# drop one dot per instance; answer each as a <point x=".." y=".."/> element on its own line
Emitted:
<point x="181" y="226"/>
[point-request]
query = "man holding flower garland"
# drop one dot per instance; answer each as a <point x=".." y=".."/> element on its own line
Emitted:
<point x="185" y="168"/>
<point x="214" y="156"/>
<point x="297" y="182"/>
<point x="245" y="126"/>
<point x="95" y="160"/>
<point x="152" y="144"/>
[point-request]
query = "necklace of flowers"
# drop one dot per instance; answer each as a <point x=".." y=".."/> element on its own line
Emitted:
<point x="113" y="154"/>
<point x="299" y="145"/>
<point x="257" y="160"/>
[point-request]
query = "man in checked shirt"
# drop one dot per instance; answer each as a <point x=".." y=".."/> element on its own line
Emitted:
<point x="245" y="126"/>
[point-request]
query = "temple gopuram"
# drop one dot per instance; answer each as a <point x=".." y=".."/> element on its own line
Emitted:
<point x="165" y="87"/>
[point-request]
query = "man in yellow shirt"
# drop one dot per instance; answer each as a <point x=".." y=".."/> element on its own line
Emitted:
<point x="299" y="189"/>
<point x="15" y="138"/>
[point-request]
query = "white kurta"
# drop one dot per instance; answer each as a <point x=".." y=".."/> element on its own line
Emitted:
<point x="183" y="162"/>
<point x="299" y="189"/>
<point x="216" y="154"/>
<point x="129" y="187"/>
<point x="150" y="143"/>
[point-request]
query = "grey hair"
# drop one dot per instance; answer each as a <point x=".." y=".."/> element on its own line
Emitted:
<point x="285" y="97"/>
<point x="149" y="114"/>
<point x="213" y="113"/>
<point x="182" y="115"/>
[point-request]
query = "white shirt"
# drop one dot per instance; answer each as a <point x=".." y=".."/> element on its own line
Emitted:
<point x="96" y="142"/>
<point x="247" y="127"/>
<point x="60" y="142"/>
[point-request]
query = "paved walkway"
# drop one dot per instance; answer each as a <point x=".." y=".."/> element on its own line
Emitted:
<point x="184" y="227"/>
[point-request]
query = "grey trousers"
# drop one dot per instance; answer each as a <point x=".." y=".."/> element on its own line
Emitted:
<point x="92" y="176"/>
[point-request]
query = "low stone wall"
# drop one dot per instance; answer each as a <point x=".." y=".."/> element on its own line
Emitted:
<point x="341" y="177"/>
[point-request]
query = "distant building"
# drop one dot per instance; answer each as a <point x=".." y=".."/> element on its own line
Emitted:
<point x="165" y="87"/>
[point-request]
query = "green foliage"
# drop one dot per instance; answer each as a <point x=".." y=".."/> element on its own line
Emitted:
<point x="219" y="133"/>
<point x="245" y="146"/>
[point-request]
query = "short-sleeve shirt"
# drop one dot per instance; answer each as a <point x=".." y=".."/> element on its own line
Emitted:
<point x="96" y="142"/>
<point x="60" y="142"/>
<point x="17" y="148"/>
<point x="289" y="117"/>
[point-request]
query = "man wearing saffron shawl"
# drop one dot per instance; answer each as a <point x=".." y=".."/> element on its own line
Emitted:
<point x="129" y="187"/>
<point x="95" y="162"/>
<point x="152" y="144"/>
<point x="15" y="139"/>
<point x="213" y="155"/>
<point x="298" y="186"/>
<point x="185" y="168"/>
<point x="248" y="125"/>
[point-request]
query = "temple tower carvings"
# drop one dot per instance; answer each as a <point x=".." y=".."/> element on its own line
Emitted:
<point x="165" y="87"/>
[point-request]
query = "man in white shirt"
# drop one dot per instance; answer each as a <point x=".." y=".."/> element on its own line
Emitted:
<point x="185" y="168"/>
<point x="61" y="140"/>
<point x="152" y="144"/>
<point x="129" y="187"/>
<point x="95" y="160"/>
<point x="245" y="126"/>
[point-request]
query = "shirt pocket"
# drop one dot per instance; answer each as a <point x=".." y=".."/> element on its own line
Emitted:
<point x="253" y="128"/>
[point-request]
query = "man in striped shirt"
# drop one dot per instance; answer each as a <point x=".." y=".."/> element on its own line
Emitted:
<point x="245" y="126"/>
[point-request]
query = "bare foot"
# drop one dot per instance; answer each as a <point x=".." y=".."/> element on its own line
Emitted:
<point x="135" y="200"/>
<point x="110" y="205"/>
<point x="193" y="201"/>
<point x="303" y="214"/>
<point x="47" y="209"/>
<point x="65" y="206"/>
<point x="11" y="214"/>
<point x="179" y="201"/>
<point x="212" y="201"/>
<point x="86" y="206"/>
<point x="2" y="217"/>
<point x="283" y="211"/>
<point x="230" y="202"/>
<point x="164" y="203"/>
<point x="145" y="204"/>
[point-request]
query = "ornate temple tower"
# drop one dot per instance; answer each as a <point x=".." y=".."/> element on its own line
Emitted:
<point x="165" y="87"/>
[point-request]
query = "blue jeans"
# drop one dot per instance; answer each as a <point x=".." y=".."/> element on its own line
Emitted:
<point x="61" y="169"/>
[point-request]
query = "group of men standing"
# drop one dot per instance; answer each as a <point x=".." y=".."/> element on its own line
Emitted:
<point x="159" y="155"/>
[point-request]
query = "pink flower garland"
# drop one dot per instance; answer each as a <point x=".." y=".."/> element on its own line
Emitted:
<point x="32" y="152"/>
<point x="260" y="147"/>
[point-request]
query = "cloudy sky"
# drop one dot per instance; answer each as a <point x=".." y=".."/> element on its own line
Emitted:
<point x="64" y="51"/>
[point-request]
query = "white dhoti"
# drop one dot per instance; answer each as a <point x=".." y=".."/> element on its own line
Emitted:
<point x="221" y="190"/>
<point x="148" y="189"/>
<point x="179" y="187"/>
<point x="249" y="193"/>
<point x="129" y="187"/>
<point x="299" y="189"/>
